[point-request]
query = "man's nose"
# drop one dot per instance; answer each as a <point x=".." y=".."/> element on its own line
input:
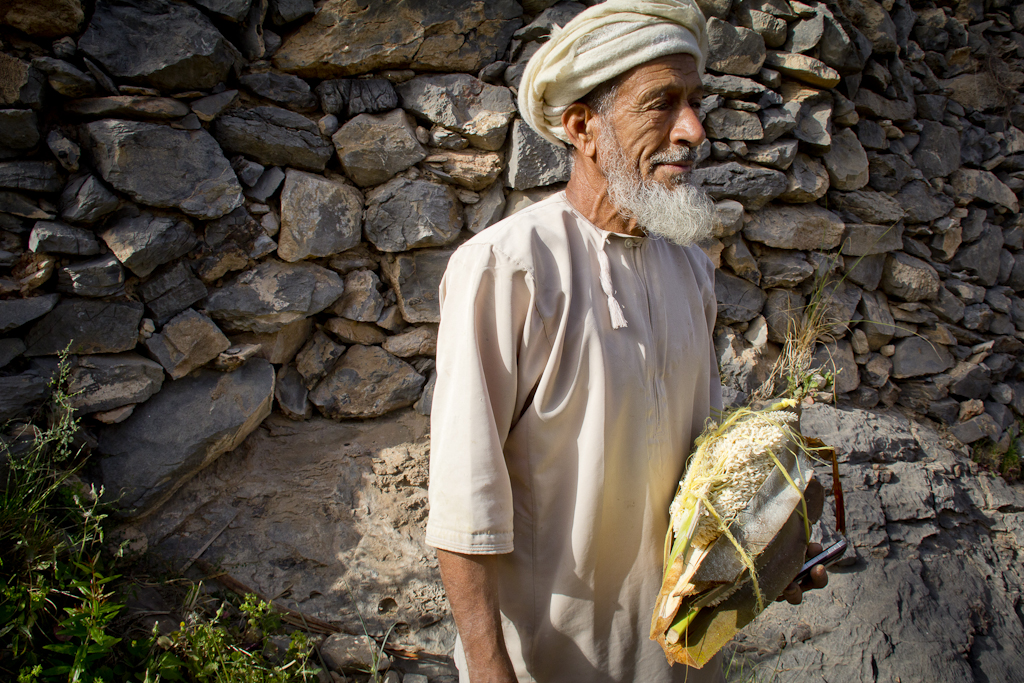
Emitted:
<point x="687" y="129"/>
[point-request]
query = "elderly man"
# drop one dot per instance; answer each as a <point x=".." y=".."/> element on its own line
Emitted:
<point x="576" y="365"/>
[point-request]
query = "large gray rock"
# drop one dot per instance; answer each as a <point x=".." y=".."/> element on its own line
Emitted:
<point x="795" y="227"/>
<point x="533" y="161"/>
<point x="348" y="97"/>
<point x="782" y="268"/>
<point x="52" y="237"/>
<point x="317" y="358"/>
<point x="30" y="176"/>
<point x="875" y="105"/>
<point x="738" y="300"/>
<point x="752" y="186"/>
<point x="171" y="291"/>
<point x="104" y="382"/>
<point x="272" y="295"/>
<point x="734" y="50"/>
<point x="472" y="169"/>
<point x="367" y="382"/>
<point x="160" y="43"/>
<point x="273" y="137"/>
<point x="408" y="214"/>
<point x="804" y="68"/>
<point x="415" y="276"/>
<point x="732" y="124"/>
<point x="99" y="277"/>
<point x="488" y="211"/>
<point x="837" y="358"/>
<point x="189" y="340"/>
<point x="783" y="310"/>
<point x="938" y="152"/>
<point x="65" y="78"/>
<point x="877" y="322"/>
<point x="319" y="217"/>
<point x="461" y="103"/>
<point x="160" y="166"/>
<point x="291" y="395"/>
<point x="16" y="312"/>
<point x="350" y="38"/>
<point x="807" y="180"/>
<point x="181" y="430"/>
<point x="362" y="300"/>
<point x="846" y="161"/>
<point x="916" y="356"/>
<point x="778" y="155"/>
<point x="980" y="257"/>
<point x="86" y="326"/>
<point x="144" y="241"/>
<point x="86" y="200"/>
<point x="372" y="148"/>
<point x="864" y="239"/>
<point x="291" y="91"/>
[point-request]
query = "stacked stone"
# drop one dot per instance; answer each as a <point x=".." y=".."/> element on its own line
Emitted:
<point x="869" y="157"/>
<point x="226" y="207"/>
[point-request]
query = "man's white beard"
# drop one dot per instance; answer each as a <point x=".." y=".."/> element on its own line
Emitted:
<point x="682" y="214"/>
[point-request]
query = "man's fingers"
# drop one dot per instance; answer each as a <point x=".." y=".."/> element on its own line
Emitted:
<point x="793" y="594"/>
<point x="813" y="549"/>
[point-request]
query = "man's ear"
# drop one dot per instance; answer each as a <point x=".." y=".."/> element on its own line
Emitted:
<point x="580" y="125"/>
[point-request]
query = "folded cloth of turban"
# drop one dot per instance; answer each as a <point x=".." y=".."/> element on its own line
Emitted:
<point x="601" y="43"/>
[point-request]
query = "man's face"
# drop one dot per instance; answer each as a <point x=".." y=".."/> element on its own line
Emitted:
<point x="646" y="147"/>
<point x="654" y="118"/>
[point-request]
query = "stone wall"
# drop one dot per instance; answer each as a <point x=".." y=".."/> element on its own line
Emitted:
<point x="232" y="208"/>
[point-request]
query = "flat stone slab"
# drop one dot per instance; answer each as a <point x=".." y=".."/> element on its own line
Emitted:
<point x="84" y="326"/>
<point x="103" y="382"/>
<point x="808" y="227"/>
<point x="461" y="103"/>
<point x="130" y="106"/>
<point x="273" y="137"/>
<point x="30" y="176"/>
<point x="16" y="312"/>
<point x="185" y="427"/>
<point x="147" y="240"/>
<point x="163" y="167"/>
<point x="752" y="186"/>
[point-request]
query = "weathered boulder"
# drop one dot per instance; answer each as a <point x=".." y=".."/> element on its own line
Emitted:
<point x="355" y="332"/>
<point x="734" y="50"/>
<point x="86" y="200"/>
<point x="21" y="84"/>
<point x="291" y="91"/>
<point x="738" y="299"/>
<point x="273" y="294"/>
<point x="164" y="167"/>
<point x="45" y="19"/>
<point x="291" y="395"/>
<point x="278" y="347"/>
<point x="979" y="257"/>
<point x="273" y="137"/>
<point x="868" y="206"/>
<point x="160" y="43"/>
<point x="974" y="184"/>
<point x="802" y="67"/>
<point x="938" y="152"/>
<point x="921" y="203"/>
<point x="779" y="155"/>
<point x="979" y="91"/>
<point x="472" y="169"/>
<point x="846" y="161"/>
<point x="181" y="430"/>
<point x="350" y="38"/>
<point x="795" y="227"/>
<point x="86" y="326"/>
<point x="103" y="382"/>
<point x="533" y="161"/>
<point x="783" y="310"/>
<point x="415" y="276"/>
<point x="877" y="322"/>
<point x="374" y="147"/>
<point x="782" y="268"/>
<point x="407" y="214"/>
<point x="461" y="103"/>
<point x="98" y="277"/>
<point x="752" y="186"/>
<point x="416" y="341"/>
<point x="367" y="382"/>
<point x="171" y="290"/>
<point x="807" y="180"/>
<point x="909" y="278"/>
<point x="362" y="300"/>
<point x="488" y="211"/>
<point x="16" y="312"/>
<point x="187" y="341"/>
<point x="319" y="217"/>
<point x="733" y="124"/>
<point x="864" y="239"/>
<point x="143" y="241"/>
<point x="837" y="358"/>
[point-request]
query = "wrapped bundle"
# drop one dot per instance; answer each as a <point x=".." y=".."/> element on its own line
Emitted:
<point x="740" y="524"/>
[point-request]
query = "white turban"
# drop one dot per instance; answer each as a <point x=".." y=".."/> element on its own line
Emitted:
<point x="601" y="43"/>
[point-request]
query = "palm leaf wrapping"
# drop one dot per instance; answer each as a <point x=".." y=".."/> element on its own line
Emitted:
<point x="740" y="524"/>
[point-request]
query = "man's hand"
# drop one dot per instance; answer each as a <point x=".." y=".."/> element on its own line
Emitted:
<point x="472" y="587"/>
<point x="794" y="592"/>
